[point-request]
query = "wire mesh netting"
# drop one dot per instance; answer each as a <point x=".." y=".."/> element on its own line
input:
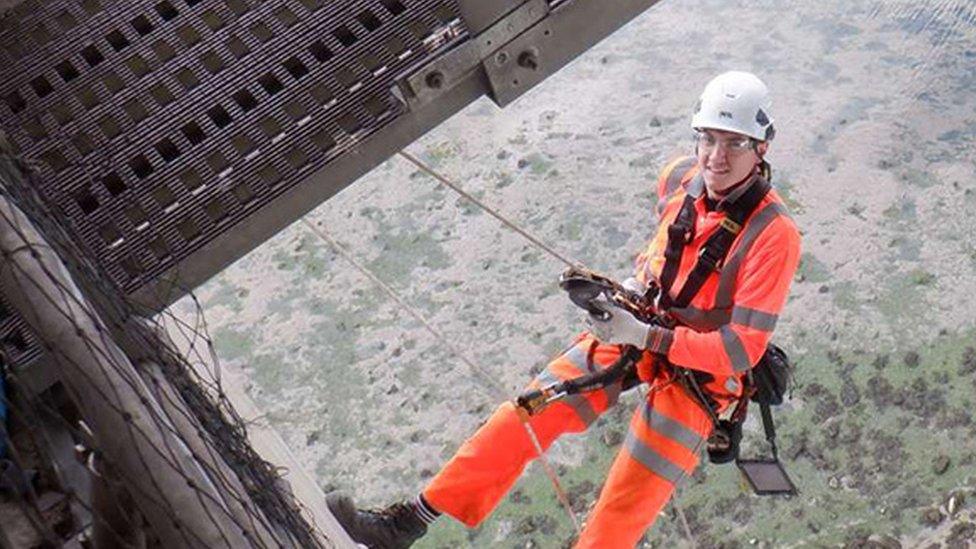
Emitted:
<point x="152" y="416"/>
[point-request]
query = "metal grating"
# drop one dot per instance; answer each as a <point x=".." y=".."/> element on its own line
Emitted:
<point x="17" y="343"/>
<point x="159" y="125"/>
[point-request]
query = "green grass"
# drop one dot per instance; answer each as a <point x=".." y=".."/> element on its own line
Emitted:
<point x="876" y="488"/>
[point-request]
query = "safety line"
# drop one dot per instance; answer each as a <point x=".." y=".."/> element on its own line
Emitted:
<point x="684" y="519"/>
<point x="492" y="383"/>
<point x="430" y="171"/>
<point x="495" y="386"/>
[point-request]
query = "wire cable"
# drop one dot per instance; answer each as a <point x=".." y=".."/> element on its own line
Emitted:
<point x="494" y="387"/>
<point x="446" y="182"/>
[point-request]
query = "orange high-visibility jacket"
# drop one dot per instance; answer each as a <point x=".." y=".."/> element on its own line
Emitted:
<point x="725" y="328"/>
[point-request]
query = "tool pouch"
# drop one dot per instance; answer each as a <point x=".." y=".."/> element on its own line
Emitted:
<point x="723" y="443"/>
<point x="771" y="377"/>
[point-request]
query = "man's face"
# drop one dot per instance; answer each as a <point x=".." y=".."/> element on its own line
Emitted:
<point x="726" y="158"/>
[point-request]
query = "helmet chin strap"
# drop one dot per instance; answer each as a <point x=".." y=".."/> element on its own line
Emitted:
<point x="718" y="195"/>
<point x="728" y="190"/>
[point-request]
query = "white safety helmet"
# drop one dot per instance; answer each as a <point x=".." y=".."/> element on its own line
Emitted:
<point x="738" y="102"/>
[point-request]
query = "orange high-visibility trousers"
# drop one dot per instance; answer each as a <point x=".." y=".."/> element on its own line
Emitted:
<point x="666" y="436"/>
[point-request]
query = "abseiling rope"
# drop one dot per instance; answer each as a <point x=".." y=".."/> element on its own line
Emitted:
<point x="447" y="183"/>
<point x="495" y="388"/>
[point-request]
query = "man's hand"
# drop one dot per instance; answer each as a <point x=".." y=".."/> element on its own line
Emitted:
<point x="623" y="328"/>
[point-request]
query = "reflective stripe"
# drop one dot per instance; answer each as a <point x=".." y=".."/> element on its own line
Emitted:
<point x="654" y="461"/>
<point x="661" y="204"/>
<point x="582" y="408"/>
<point x="729" y="273"/>
<point x="679" y="169"/>
<point x="613" y="392"/>
<point x="701" y="319"/>
<point x="754" y="319"/>
<point x="732" y="385"/>
<point x="546" y="378"/>
<point x="578" y="403"/>
<point x="734" y="349"/>
<point x="671" y="428"/>
<point x="696" y="186"/>
<point x="677" y="173"/>
<point x="577" y="357"/>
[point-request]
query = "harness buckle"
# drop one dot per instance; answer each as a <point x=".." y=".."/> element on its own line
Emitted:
<point x="730" y="226"/>
<point x="709" y="260"/>
<point x="678" y="231"/>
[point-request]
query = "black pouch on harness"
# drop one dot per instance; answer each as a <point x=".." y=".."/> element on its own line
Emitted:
<point x="771" y="377"/>
<point x="723" y="443"/>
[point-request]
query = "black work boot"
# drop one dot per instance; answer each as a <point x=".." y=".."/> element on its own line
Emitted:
<point x="395" y="527"/>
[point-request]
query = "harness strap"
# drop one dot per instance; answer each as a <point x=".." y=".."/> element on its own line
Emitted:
<point x="769" y="428"/>
<point x="717" y="247"/>
<point x="710" y="258"/>
<point x="680" y="233"/>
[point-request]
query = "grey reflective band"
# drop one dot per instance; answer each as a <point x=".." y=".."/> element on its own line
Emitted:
<point x="578" y="403"/>
<point x="671" y="428"/>
<point x="729" y="273"/>
<point x="654" y="461"/>
<point x="754" y="319"/>
<point x="582" y="407"/>
<point x="731" y="384"/>
<point x="659" y="340"/>
<point x="677" y="174"/>
<point x="546" y="378"/>
<point x="734" y="349"/>
<point x="577" y="357"/>
<point x="661" y="204"/>
<point x="712" y="319"/>
<point x="613" y="392"/>
<point x="674" y="181"/>
<point x="696" y="186"/>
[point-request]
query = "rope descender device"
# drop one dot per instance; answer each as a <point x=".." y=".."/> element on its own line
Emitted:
<point x="584" y="288"/>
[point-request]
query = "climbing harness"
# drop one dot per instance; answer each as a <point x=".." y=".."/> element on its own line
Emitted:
<point x="765" y="384"/>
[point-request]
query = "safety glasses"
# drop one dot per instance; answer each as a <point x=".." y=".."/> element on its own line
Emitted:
<point x="707" y="142"/>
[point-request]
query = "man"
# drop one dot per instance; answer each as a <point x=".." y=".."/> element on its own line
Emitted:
<point x="720" y="334"/>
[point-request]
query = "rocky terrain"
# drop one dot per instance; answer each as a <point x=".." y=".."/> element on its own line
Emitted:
<point x="876" y="119"/>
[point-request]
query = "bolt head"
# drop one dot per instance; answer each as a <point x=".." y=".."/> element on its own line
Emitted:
<point x="435" y="80"/>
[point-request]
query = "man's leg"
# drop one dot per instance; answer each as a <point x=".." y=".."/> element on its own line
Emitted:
<point x="666" y="438"/>
<point x="486" y="466"/>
